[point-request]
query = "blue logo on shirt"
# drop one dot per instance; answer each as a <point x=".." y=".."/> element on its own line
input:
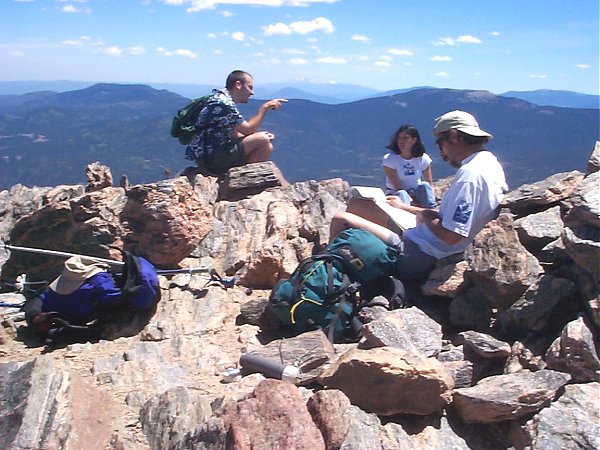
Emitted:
<point x="462" y="213"/>
<point x="409" y="169"/>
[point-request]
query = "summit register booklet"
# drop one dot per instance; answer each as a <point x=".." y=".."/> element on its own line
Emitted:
<point x="402" y="218"/>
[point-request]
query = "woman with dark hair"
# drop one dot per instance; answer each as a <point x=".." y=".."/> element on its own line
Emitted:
<point x="407" y="169"/>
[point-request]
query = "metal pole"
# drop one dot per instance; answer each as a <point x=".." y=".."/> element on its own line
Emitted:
<point x="42" y="251"/>
<point x="112" y="262"/>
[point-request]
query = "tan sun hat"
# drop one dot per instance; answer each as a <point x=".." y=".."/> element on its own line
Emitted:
<point x="459" y="120"/>
<point x="77" y="270"/>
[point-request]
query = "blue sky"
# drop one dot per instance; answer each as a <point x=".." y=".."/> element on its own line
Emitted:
<point x="495" y="45"/>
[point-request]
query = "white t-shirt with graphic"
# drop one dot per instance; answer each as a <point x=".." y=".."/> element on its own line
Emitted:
<point x="409" y="170"/>
<point x="471" y="201"/>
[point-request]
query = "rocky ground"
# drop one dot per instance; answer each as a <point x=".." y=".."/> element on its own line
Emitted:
<point x="496" y="351"/>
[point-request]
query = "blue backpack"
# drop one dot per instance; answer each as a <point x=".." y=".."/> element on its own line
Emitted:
<point x="140" y="292"/>
<point x="325" y="289"/>
<point x="138" y="282"/>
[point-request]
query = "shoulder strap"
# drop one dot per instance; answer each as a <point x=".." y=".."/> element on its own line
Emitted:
<point x="130" y="279"/>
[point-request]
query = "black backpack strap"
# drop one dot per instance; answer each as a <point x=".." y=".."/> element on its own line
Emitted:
<point x="62" y="331"/>
<point x="339" y="310"/>
<point x="398" y="298"/>
<point x="129" y="281"/>
<point x="348" y="298"/>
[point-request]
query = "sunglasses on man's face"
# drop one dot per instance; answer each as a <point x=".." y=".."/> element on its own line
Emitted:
<point x="440" y="140"/>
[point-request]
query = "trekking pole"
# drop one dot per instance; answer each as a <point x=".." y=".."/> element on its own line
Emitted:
<point x="43" y="251"/>
<point x="226" y="281"/>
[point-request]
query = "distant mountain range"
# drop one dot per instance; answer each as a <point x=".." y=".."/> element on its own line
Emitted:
<point x="566" y="99"/>
<point x="47" y="138"/>
<point x="332" y="93"/>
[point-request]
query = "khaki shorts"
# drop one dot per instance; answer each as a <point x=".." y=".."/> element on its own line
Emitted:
<point x="230" y="154"/>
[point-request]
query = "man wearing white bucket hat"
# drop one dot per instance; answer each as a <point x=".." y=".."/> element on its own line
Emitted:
<point x="471" y="201"/>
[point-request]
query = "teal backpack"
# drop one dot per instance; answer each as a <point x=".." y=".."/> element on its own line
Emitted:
<point x="363" y="255"/>
<point x="325" y="289"/>
<point x="184" y="123"/>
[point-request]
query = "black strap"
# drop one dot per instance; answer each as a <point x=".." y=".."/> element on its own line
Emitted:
<point x="336" y="317"/>
<point x="353" y="329"/>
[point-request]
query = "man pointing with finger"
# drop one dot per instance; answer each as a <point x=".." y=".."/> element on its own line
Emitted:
<point x="225" y="138"/>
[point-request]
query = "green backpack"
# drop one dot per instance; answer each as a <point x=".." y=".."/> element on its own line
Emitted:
<point x="184" y="123"/>
<point x="325" y="289"/>
<point x="363" y="255"/>
<point x="317" y="295"/>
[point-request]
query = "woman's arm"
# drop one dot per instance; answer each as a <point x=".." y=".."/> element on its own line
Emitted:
<point x="392" y="175"/>
<point x="427" y="176"/>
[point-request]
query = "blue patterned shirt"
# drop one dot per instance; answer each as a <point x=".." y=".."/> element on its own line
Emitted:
<point x="218" y="118"/>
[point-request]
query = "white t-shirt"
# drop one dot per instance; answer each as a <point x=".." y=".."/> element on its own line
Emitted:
<point x="409" y="170"/>
<point x="468" y="205"/>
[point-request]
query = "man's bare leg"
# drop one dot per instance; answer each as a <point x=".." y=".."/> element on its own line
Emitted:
<point x="344" y="220"/>
<point x="258" y="146"/>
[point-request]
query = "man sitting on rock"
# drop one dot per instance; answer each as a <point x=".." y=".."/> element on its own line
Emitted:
<point x="225" y="139"/>
<point x="471" y="201"/>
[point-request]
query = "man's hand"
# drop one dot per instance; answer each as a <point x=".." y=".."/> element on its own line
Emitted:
<point x="274" y="104"/>
<point x="427" y="215"/>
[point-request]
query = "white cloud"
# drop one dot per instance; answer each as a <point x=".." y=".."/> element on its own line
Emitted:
<point x="441" y="58"/>
<point x="293" y="51"/>
<point x="136" y="50"/>
<point x="199" y="5"/>
<point x="400" y="52"/>
<point x="468" y="39"/>
<point x="539" y="76"/>
<point x="465" y="39"/>
<point x="445" y="41"/>
<point x="331" y="60"/>
<point x="271" y="62"/>
<point x="386" y="58"/>
<point x="227" y="14"/>
<point x="71" y="42"/>
<point x="297" y="61"/>
<point x="360" y="38"/>
<point x="113" y="51"/>
<point x="16" y="53"/>
<point x="301" y="27"/>
<point x="238" y="36"/>
<point x="582" y="66"/>
<point x="211" y="36"/>
<point x="495" y="33"/>
<point x="382" y="64"/>
<point x="179" y="52"/>
<point x="68" y="9"/>
<point x="443" y="73"/>
<point x="72" y="9"/>
<point x="318" y="24"/>
<point x="277" y="28"/>
<point x="186" y="53"/>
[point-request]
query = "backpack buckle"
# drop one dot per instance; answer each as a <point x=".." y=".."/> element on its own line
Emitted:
<point x="357" y="263"/>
